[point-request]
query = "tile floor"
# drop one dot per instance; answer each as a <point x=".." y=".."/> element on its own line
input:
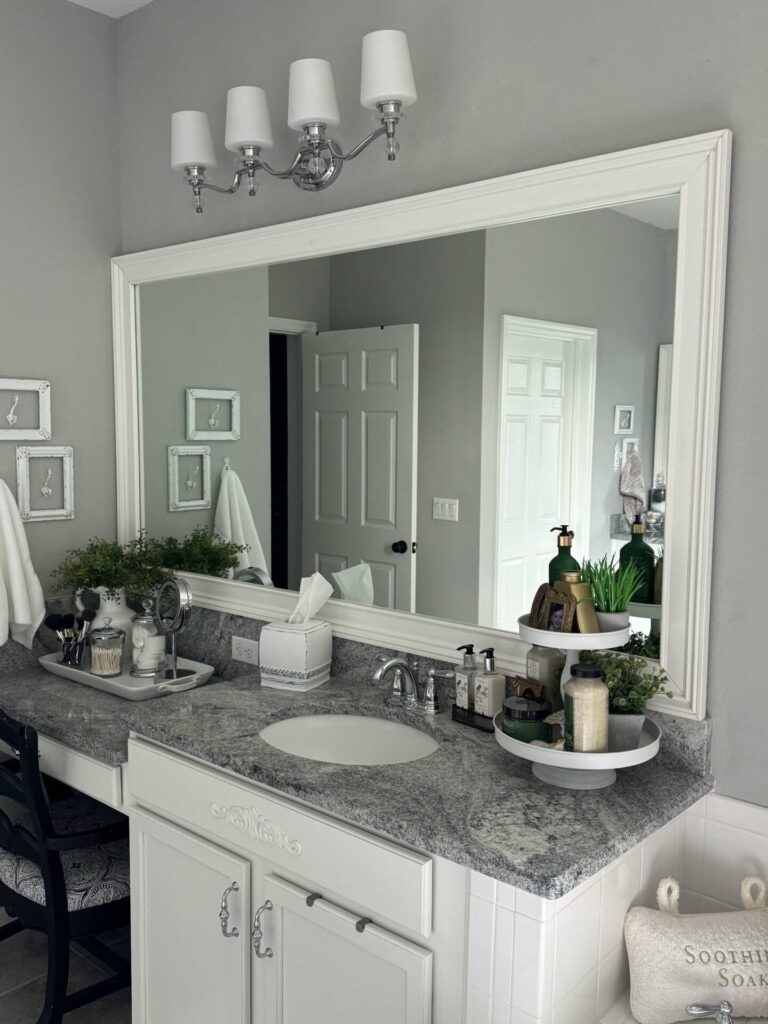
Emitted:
<point x="22" y="981"/>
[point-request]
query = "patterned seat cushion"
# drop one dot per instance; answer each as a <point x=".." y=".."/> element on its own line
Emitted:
<point x="93" y="876"/>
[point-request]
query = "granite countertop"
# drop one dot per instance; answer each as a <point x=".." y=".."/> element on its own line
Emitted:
<point x="469" y="802"/>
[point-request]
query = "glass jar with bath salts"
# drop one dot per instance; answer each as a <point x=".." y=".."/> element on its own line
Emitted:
<point x="106" y="644"/>
<point x="522" y="718"/>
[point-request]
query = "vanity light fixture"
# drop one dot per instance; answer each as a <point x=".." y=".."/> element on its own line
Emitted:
<point x="386" y="86"/>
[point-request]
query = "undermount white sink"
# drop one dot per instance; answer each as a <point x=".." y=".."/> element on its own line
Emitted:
<point x="349" y="739"/>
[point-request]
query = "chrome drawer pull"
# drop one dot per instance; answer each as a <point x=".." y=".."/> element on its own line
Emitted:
<point x="257" y="934"/>
<point x="224" y="912"/>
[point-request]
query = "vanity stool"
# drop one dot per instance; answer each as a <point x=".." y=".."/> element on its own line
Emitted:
<point x="63" y="871"/>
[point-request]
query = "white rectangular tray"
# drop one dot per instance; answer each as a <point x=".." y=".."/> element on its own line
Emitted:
<point x="127" y="686"/>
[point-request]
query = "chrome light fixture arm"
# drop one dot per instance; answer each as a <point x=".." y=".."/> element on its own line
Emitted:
<point x="315" y="166"/>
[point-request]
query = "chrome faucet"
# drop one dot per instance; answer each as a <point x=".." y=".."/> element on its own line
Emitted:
<point x="720" y="1013"/>
<point x="404" y="692"/>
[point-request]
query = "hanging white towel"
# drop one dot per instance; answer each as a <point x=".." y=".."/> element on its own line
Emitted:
<point x="355" y="584"/>
<point x="632" y="487"/>
<point x="234" y="522"/>
<point x="22" y="605"/>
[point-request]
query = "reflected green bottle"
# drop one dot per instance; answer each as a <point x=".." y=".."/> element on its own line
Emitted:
<point x="637" y="552"/>
<point x="563" y="560"/>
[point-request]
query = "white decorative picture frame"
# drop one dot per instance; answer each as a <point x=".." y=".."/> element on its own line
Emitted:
<point x="25" y="487"/>
<point x="623" y="419"/>
<point x="177" y="487"/>
<point x="8" y="416"/>
<point x="217" y="395"/>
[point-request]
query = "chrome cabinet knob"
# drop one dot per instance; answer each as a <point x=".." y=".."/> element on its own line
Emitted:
<point x="224" y="912"/>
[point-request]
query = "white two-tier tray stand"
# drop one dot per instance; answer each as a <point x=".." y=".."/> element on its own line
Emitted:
<point x="565" y="768"/>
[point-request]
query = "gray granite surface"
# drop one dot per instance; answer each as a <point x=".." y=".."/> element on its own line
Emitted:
<point x="469" y="802"/>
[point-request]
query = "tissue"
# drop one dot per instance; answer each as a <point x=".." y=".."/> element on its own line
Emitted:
<point x="296" y="655"/>
<point x="313" y="593"/>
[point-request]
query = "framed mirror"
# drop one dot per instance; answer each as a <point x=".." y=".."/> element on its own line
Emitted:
<point x="426" y="387"/>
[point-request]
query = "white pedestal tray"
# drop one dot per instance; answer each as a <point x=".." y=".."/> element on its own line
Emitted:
<point x="566" y="768"/>
<point x="570" y="770"/>
<point x="571" y="643"/>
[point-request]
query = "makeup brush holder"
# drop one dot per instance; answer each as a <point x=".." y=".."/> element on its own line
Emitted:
<point x="295" y="655"/>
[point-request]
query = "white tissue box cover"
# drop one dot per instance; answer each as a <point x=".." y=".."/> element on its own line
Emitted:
<point x="295" y="656"/>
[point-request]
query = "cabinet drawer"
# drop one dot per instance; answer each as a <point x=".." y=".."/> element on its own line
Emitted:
<point x="87" y="774"/>
<point x="389" y="881"/>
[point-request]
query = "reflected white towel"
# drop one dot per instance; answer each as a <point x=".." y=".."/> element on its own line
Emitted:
<point x="356" y="583"/>
<point x="233" y="521"/>
<point x="22" y="605"/>
<point x="632" y="487"/>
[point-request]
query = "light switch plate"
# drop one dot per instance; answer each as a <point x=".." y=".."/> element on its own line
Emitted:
<point x="445" y="509"/>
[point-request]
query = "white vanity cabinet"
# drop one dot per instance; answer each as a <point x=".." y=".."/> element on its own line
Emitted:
<point x="189" y="964"/>
<point x="348" y="917"/>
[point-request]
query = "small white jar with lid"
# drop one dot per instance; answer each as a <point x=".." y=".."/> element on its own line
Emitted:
<point x="586" y="710"/>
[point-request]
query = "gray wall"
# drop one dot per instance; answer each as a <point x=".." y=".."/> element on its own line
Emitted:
<point x="206" y="332"/>
<point x="503" y="87"/>
<point x="300" y="291"/>
<point x="437" y="284"/>
<point x="603" y="270"/>
<point x="59" y="217"/>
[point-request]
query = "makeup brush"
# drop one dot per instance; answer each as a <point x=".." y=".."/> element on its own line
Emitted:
<point x="84" y="623"/>
<point x="54" y="622"/>
<point x="68" y="636"/>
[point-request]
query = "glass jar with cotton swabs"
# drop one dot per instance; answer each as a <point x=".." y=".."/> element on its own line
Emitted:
<point x="107" y="645"/>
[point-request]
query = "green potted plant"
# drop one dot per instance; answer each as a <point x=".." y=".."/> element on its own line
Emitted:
<point x="116" y="572"/>
<point x="201" y="551"/>
<point x="631" y="683"/>
<point x="613" y="587"/>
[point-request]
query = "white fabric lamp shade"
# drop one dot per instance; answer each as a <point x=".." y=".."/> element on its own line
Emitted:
<point x="386" y="73"/>
<point x="248" y="121"/>
<point x="311" y="94"/>
<point x="191" y="142"/>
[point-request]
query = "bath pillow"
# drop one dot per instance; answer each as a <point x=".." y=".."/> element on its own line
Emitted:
<point x="676" y="959"/>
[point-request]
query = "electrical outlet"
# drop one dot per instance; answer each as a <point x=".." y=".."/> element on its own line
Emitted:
<point x="245" y="650"/>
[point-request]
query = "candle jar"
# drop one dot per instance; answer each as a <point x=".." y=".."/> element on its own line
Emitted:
<point x="107" y="650"/>
<point x="148" y="657"/>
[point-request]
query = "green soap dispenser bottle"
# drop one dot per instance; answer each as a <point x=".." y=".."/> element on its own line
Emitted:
<point x="563" y="560"/>
<point x="637" y="552"/>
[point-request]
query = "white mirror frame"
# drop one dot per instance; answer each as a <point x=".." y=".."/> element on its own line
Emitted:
<point x="696" y="168"/>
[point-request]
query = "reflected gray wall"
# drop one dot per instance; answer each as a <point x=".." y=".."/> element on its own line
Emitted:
<point x="301" y="291"/>
<point x="208" y="332"/>
<point x="502" y="87"/>
<point x="603" y="270"/>
<point x="59" y="230"/>
<point x="437" y="284"/>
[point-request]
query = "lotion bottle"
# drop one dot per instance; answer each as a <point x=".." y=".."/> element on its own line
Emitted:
<point x="563" y="560"/>
<point x="465" y="678"/>
<point x="490" y="687"/>
<point x="641" y="554"/>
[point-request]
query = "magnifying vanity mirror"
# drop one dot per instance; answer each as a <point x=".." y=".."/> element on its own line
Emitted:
<point x="408" y="398"/>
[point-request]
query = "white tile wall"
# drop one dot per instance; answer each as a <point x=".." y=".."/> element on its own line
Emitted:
<point x="537" y="961"/>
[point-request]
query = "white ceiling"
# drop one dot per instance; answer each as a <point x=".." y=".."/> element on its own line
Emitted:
<point x="114" y="8"/>
<point x="663" y="212"/>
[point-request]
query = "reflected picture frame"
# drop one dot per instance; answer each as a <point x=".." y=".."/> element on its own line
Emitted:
<point x="25" y="457"/>
<point x="13" y="386"/>
<point x="623" y="419"/>
<point x="629" y="444"/>
<point x="176" y="501"/>
<point x="218" y="395"/>
<point x="552" y="610"/>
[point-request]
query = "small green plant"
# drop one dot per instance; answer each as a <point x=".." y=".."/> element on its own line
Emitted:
<point x="613" y="586"/>
<point x="200" y="551"/>
<point x="630" y="681"/>
<point x="645" y="645"/>
<point x="105" y="563"/>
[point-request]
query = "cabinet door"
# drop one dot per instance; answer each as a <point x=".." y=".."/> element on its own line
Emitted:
<point x="327" y="971"/>
<point x="185" y="969"/>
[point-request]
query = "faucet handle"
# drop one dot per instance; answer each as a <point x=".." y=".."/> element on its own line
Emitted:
<point x="719" y="1012"/>
<point x="429" y="705"/>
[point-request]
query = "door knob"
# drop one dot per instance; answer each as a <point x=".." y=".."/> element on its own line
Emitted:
<point x="400" y="547"/>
